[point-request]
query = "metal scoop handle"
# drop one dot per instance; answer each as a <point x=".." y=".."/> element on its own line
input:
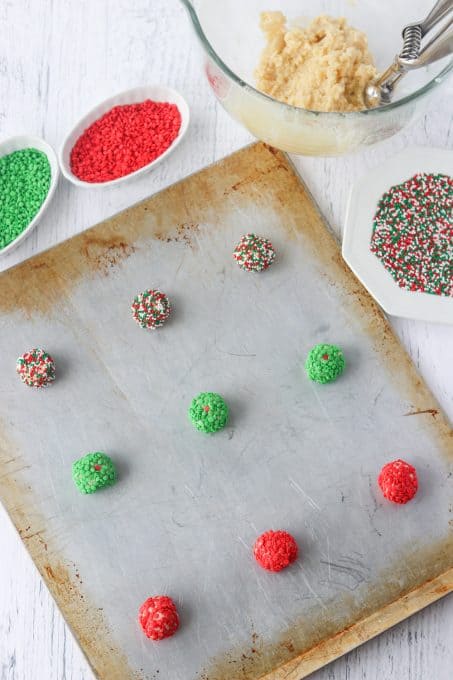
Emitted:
<point x="412" y="56"/>
<point x="438" y="12"/>
<point x="438" y="47"/>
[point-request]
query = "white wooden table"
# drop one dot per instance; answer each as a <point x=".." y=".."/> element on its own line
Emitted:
<point x="57" y="59"/>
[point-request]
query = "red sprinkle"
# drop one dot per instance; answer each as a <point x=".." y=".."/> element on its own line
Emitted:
<point x="124" y="140"/>
<point x="98" y="467"/>
<point x="325" y="357"/>
<point x="275" y="550"/>
<point x="398" y="481"/>
<point x="158" y="617"/>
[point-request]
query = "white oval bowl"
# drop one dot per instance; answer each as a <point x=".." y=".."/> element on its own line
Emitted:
<point x="28" y="142"/>
<point x="157" y="93"/>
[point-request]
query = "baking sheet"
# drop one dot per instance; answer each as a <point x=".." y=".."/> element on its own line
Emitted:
<point x="188" y="507"/>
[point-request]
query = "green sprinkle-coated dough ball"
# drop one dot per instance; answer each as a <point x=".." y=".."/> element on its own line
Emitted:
<point x="94" y="471"/>
<point x="324" y="363"/>
<point x="208" y="412"/>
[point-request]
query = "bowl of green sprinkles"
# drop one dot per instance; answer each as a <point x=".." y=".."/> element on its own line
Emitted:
<point x="28" y="179"/>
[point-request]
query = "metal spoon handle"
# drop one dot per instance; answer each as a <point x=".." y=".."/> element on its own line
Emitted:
<point x="440" y="46"/>
<point x="412" y="56"/>
<point x="438" y="12"/>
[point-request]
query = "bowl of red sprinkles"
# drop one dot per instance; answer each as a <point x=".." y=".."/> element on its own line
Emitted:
<point x="124" y="136"/>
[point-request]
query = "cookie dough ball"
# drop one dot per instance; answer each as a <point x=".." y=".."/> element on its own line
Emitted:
<point x="324" y="363"/>
<point x="275" y="550"/>
<point x="158" y="617"/>
<point x="36" y="368"/>
<point x="253" y="253"/>
<point x="151" y="308"/>
<point x="398" y="481"/>
<point x="93" y="472"/>
<point x="208" y="412"/>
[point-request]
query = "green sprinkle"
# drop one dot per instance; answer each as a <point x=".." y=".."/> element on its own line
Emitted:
<point x="94" y="471"/>
<point x="324" y="363"/>
<point x="24" y="184"/>
<point x="208" y="412"/>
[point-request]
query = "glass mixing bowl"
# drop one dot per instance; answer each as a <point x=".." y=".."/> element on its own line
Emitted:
<point x="229" y="33"/>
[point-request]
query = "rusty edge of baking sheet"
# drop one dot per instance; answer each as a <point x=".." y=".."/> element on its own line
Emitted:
<point x="33" y="287"/>
<point x="61" y="578"/>
<point x="365" y="629"/>
<point x="254" y="661"/>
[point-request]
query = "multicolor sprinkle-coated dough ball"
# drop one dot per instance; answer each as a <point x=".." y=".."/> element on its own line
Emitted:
<point x="253" y="253"/>
<point x="151" y="308"/>
<point x="93" y="472"/>
<point x="208" y="412"/>
<point x="158" y="617"/>
<point x="324" y="363"/>
<point x="398" y="481"/>
<point x="275" y="550"/>
<point x="36" y="368"/>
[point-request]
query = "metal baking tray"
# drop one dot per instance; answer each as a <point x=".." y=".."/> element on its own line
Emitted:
<point x="295" y="455"/>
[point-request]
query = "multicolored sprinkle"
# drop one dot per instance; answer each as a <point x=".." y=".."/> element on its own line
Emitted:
<point x="254" y="253"/>
<point x="413" y="233"/>
<point x="36" y="368"/>
<point x="94" y="471"/>
<point x="151" y="308"/>
<point x="208" y="412"/>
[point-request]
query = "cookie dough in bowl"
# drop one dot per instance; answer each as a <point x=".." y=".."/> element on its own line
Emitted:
<point x="323" y="67"/>
<point x="324" y="51"/>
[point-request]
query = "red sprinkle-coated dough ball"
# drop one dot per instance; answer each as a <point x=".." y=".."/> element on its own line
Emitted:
<point x="158" y="617"/>
<point x="398" y="481"/>
<point x="275" y="550"/>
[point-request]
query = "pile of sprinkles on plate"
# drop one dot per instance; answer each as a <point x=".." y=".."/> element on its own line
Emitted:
<point x="413" y="233"/>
